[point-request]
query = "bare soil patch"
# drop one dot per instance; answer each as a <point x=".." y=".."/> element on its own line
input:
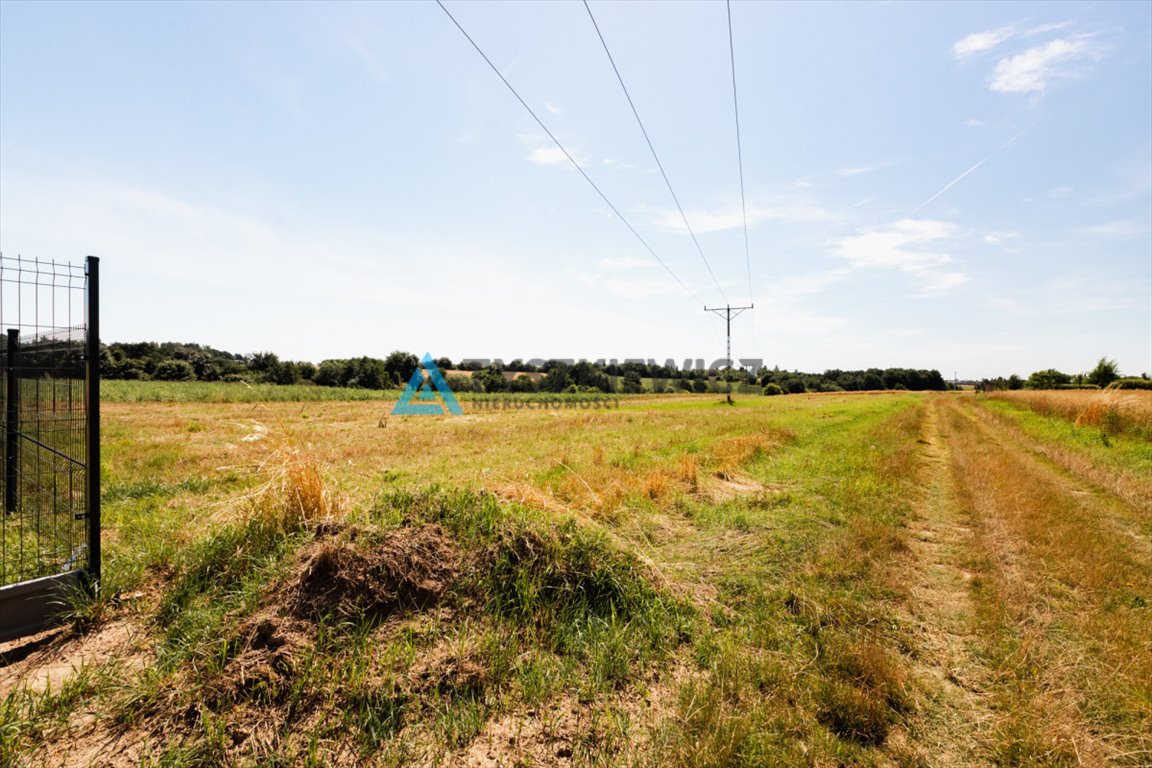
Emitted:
<point x="49" y="659"/>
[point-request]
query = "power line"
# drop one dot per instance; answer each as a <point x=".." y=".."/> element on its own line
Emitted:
<point x="739" y="151"/>
<point x="572" y="160"/>
<point x="655" y="156"/>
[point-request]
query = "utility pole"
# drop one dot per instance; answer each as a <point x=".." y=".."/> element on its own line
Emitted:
<point x="729" y="312"/>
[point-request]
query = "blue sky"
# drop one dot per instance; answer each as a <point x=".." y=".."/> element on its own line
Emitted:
<point x="965" y="187"/>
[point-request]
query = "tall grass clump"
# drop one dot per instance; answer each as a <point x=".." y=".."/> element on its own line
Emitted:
<point x="225" y="569"/>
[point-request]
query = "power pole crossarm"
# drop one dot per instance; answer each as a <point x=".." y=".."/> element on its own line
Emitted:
<point x="728" y="312"/>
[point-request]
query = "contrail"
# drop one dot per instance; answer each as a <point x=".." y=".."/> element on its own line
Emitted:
<point x="956" y="180"/>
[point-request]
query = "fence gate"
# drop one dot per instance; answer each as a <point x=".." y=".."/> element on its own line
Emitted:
<point x="50" y="407"/>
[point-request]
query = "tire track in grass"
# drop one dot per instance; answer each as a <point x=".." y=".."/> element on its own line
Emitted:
<point x="1062" y="605"/>
<point x="947" y="729"/>
<point x="1126" y="493"/>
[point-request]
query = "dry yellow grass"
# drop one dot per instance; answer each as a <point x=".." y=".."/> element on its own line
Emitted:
<point x="1113" y="410"/>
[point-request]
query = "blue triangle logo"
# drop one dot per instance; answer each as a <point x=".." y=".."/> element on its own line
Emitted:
<point x="425" y="390"/>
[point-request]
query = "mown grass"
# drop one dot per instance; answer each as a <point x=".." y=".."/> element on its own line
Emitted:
<point x="1060" y="597"/>
<point x="1118" y="460"/>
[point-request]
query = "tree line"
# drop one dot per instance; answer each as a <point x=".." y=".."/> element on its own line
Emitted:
<point x="1106" y="373"/>
<point x="173" y="361"/>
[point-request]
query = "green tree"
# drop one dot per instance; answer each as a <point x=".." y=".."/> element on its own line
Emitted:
<point x="329" y="373"/>
<point x="490" y="379"/>
<point x="399" y="367"/>
<point x="174" y="370"/>
<point x="1105" y="372"/>
<point x="1048" y="379"/>
<point x="632" y="384"/>
<point x="557" y="379"/>
<point x="522" y="383"/>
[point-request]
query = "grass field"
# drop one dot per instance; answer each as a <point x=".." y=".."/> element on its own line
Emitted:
<point x="883" y="579"/>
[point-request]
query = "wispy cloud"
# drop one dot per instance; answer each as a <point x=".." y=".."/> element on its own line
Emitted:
<point x="784" y="210"/>
<point x="1124" y="228"/>
<point x="548" y="156"/>
<point x="1043" y="28"/>
<point x="543" y="152"/>
<point x="552" y="108"/>
<point x="999" y="238"/>
<point x="940" y="282"/>
<point x="978" y="42"/>
<point x="1034" y="70"/>
<point x="908" y="245"/>
<point x="900" y="246"/>
<point x="974" y="123"/>
<point x="860" y="169"/>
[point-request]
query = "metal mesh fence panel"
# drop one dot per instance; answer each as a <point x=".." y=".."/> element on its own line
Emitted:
<point x="44" y="351"/>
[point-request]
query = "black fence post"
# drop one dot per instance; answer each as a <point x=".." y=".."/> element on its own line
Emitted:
<point x="12" y="422"/>
<point x="92" y="406"/>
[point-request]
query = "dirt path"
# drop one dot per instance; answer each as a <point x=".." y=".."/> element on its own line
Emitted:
<point x="941" y="605"/>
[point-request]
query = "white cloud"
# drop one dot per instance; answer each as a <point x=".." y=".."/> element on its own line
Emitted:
<point x="999" y="238"/>
<point x="542" y="151"/>
<point x="548" y="156"/>
<point x="903" y="245"/>
<point x="974" y="123"/>
<point x="1060" y="193"/>
<point x="1046" y="28"/>
<point x="978" y="42"/>
<point x="552" y="108"/>
<point x="908" y="245"/>
<point x="1034" y="70"/>
<point x="789" y="211"/>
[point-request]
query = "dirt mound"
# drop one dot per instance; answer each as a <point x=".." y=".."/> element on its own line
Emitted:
<point x="410" y="568"/>
<point x="265" y="663"/>
<point x="339" y="575"/>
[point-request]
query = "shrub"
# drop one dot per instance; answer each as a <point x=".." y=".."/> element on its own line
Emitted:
<point x="773" y="389"/>
<point x="175" y="370"/>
